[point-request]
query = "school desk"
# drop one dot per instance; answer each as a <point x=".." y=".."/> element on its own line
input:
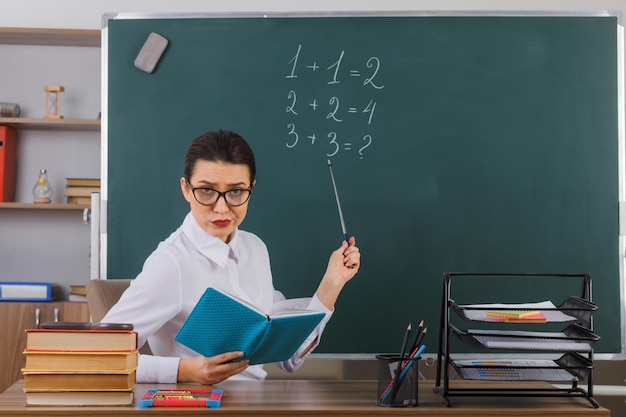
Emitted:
<point x="317" y="398"/>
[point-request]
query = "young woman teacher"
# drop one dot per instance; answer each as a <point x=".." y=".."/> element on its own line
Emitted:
<point x="209" y="250"/>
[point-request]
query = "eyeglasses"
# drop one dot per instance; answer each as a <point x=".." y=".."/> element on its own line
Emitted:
<point x="208" y="196"/>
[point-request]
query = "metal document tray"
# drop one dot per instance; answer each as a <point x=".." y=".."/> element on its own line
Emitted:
<point x="574" y="338"/>
<point x="571" y="367"/>
<point x="573" y="309"/>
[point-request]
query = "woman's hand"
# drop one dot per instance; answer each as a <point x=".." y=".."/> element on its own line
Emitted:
<point x="344" y="262"/>
<point x="210" y="371"/>
<point x="342" y="266"/>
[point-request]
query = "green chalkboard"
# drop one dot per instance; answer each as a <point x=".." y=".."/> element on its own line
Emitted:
<point x="458" y="143"/>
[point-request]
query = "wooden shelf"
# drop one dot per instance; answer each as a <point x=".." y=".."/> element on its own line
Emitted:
<point x="85" y="125"/>
<point x="52" y="206"/>
<point x="50" y="37"/>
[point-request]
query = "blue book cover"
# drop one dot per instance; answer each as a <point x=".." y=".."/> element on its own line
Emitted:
<point x="26" y="291"/>
<point x="220" y="323"/>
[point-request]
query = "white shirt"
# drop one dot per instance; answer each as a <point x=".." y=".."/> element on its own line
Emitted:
<point x="172" y="281"/>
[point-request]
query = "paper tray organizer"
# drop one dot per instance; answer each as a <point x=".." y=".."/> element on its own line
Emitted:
<point x="571" y="367"/>
<point x="573" y="309"/>
<point x="575" y="343"/>
<point x="573" y="338"/>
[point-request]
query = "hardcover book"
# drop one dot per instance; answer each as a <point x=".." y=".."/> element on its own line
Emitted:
<point x="26" y="291"/>
<point x="105" y="380"/>
<point x="222" y="323"/>
<point x="81" y="191"/>
<point x="51" y="360"/>
<point x="81" y="340"/>
<point x="79" y="200"/>
<point x="8" y="163"/>
<point x="79" y="398"/>
<point x="82" y="182"/>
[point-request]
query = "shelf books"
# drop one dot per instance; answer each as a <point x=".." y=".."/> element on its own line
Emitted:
<point x="78" y="190"/>
<point x="26" y="291"/>
<point x="79" y="200"/>
<point x="222" y="323"/>
<point x="78" y="289"/>
<point x="78" y="293"/>
<point x="8" y="163"/>
<point x="73" y="366"/>
<point x="81" y="191"/>
<point x="82" y="182"/>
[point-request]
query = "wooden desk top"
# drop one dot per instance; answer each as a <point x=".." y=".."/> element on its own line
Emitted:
<point x="319" y="398"/>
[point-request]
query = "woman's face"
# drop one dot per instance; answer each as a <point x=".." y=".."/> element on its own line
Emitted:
<point x="219" y="219"/>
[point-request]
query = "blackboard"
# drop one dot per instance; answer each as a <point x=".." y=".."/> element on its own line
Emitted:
<point x="458" y="143"/>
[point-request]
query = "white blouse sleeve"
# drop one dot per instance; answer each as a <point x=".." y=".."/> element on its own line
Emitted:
<point x="148" y="306"/>
<point x="157" y="369"/>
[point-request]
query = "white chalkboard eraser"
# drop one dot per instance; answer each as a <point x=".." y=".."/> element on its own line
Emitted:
<point x="151" y="52"/>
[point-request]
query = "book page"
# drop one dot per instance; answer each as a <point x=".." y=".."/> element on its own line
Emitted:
<point x="244" y="303"/>
<point x="292" y="306"/>
<point x="284" y="335"/>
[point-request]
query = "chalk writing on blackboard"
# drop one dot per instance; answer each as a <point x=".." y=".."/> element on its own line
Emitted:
<point x="344" y="107"/>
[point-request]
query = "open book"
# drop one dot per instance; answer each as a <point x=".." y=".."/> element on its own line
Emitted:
<point x="221" y="323"/>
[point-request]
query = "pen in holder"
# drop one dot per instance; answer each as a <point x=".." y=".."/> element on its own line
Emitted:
<point x="397" y="390"/>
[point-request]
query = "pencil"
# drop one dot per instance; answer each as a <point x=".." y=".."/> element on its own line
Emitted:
<point x="405" y="341"/>
<point x="420" y="330"/>
<point x="414" y="356"/>
<point x="396" y="385"/>
<point x="419" y="340"/>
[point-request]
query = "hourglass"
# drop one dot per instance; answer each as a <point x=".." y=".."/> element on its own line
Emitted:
<point x="53" y="105"/>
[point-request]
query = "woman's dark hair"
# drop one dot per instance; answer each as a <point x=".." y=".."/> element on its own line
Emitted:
<point x="220" y="145"/>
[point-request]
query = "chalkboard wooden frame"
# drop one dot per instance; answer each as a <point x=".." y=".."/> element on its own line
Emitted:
<point x="444" y="201"/>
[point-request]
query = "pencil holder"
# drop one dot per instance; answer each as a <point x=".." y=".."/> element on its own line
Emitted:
<point x="397" y="385"/>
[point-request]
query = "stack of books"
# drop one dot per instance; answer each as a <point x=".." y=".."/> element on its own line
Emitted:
<point x="80" y="367"/>
<point x="78" y="294"/>
<point x="78" y="190"/>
